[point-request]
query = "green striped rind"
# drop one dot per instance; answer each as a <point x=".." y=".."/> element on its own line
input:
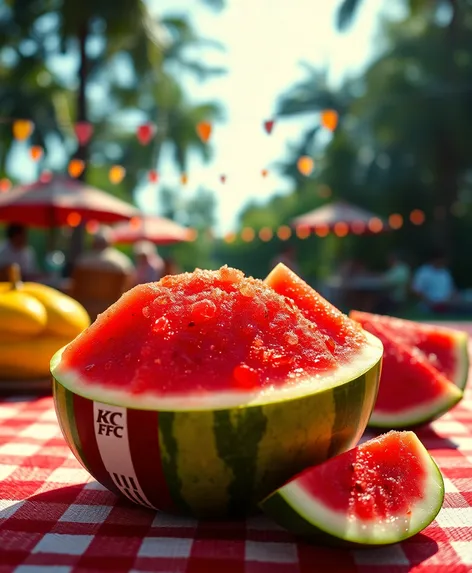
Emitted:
<point x="222" y="463"/>
<point x="312" y="521"/>
<point x="63" y="403"/>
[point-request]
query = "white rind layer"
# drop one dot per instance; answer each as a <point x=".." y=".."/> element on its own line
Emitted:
<point x="375" y="532"/>
<point x="369" y="355"/>
<point x="417" y="414"/>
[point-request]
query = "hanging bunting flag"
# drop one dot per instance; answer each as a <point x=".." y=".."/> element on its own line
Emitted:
<point x="5" y="185"/>
<point x="269" y="126"/>
<point x="145" y="133"/>
<point x="36" y="152"/>
<point x="223" y="178"/>
<point x="204" y="130"/>
<point x="264" y="172"/>
<point x="305" y="165"/>
<point x="76" y="168"/>
<point x="22" y="129"/>
<point x="184" y="179"/>
<point x="83" y="132"/>
<point x="153" y="176"/>
<point x="116" y="174"/>
<point x="329" y="119"/>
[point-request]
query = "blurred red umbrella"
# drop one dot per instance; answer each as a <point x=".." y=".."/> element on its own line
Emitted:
<point x="53" y="204"/>
<point x="158" y="230"/>
<point x="332" y="215"/>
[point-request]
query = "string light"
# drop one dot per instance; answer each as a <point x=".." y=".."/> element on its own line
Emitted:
<point x="266" y="234"/>
<point x="417" y="217"/>
<point x="5" y="185"/>
<point x="341" y="229"/>
<point x="116" y="174"/>
<point x="284" y="233"/>
<point x="305" y="165"/>
<point x="73" y="219"/>
<point x="302" y="231"/>
<point x="395" y="221"/>
<point x="375" y="225"/>
<point x="36" y="152"/>
<point x="92" y="227"/>
<point x="248" y="234"/>
<point x="358" y="227"/>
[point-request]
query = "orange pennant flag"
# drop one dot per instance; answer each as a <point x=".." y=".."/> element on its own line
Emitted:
<point x="204" y="130"/>
<point x="184" y="179"/>
<point x="264" y="172"/>
<point x="22" y="129"/>
<point x="329" y="119"/>
<point x="305" y="165"/>
<point x="117" y="174"/>
<point x="36" y="152"/>
<point x="76" y="168"/>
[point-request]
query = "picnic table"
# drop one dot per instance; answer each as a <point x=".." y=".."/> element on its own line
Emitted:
<point x="55" y="518"/>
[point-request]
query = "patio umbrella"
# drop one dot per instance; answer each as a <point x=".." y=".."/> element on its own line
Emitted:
<point x="359" y="221"/>
<point x="49" y="204"/>
<point x="158" y="230"/>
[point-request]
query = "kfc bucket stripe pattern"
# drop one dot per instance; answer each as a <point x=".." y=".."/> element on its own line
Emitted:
<point x="111" y="433"/>
<point x="84" y="421"/>
<point x="148" y="464"/>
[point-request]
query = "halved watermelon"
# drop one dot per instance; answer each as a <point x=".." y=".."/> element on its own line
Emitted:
<point x="384" y="491"/>
<point x="204" y="392"/>
<point x="444" y="348"/>
<point x="411" y="391"/>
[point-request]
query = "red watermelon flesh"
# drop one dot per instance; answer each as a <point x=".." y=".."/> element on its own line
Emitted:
<point x="340" y="332"/>
<point x="411" y="391"/>
<point x="382" y="491"/>
<point x="444" y="348"/>
<point x="205" y="332"/>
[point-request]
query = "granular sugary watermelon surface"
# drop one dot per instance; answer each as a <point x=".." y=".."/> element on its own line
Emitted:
<point x="381" y="478"/>
<point x="204" y="331"/>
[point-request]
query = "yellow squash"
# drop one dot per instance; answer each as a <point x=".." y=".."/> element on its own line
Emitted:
<point x="35" y="321"/>
<point x="29" y="358"/>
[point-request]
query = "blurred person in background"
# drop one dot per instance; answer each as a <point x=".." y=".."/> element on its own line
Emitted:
<point x="150" y="265"/>
<point x="103" y="256"/>
<point x="396" y="282"/>
<point x="434" y="285"/>
<point x="15" y="249"/>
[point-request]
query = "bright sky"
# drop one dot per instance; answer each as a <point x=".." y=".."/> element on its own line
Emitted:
<point x="265" y="41"/>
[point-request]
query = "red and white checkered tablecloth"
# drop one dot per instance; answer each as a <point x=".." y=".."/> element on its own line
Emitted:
<point x="54" y="518"/>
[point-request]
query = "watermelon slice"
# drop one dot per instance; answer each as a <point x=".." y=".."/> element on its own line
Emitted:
<point x="445" y="348"/>
<point x="204" y="392"/>
<point x="411" y="391"/>
<point x="384" y="491"/>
